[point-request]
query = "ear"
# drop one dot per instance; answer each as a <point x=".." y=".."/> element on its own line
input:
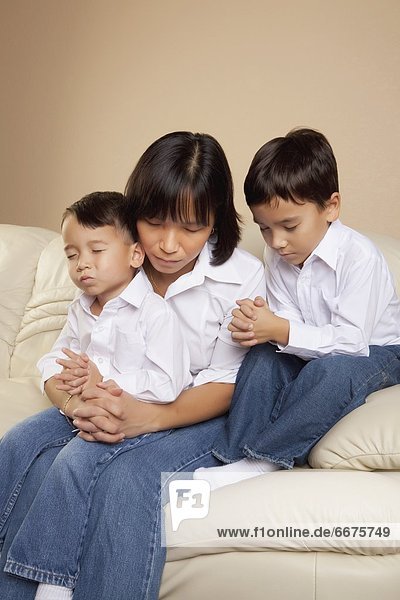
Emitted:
<point x="137" y="255"/>
<point x="333" y="207"/>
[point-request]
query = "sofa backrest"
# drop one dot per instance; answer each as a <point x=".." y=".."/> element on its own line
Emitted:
<point x="45" y="311"/>
<point x="20" y="249"/>
<point x="390" y="248"/>
<point x="35" y="291"/>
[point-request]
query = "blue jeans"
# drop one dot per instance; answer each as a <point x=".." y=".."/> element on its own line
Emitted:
<point x="87" y="515"/>
<point x="283" y="405"/>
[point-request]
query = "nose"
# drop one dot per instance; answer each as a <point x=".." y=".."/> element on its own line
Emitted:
<point x="278" y="241"/>
<point x="169" y="242"/>
<point x="82" y="263"/>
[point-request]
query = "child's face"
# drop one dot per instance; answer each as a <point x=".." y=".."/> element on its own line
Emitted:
<point x="101" y="262"/>
<point x="295" y="230"/>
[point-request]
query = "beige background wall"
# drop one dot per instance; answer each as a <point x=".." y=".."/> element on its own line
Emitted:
<point x="88" y="84"/>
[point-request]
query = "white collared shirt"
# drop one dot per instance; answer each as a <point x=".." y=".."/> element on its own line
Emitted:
<point x="203" y="300"/>
<point x="136" y="340"/>
<point x="341" y="301"/>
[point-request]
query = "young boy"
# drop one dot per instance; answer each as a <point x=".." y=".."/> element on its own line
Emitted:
<point x="117" y="328"/>
<point x="330" y="334"/>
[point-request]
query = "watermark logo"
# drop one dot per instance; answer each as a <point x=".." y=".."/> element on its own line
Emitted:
<point x="188" y="499"/>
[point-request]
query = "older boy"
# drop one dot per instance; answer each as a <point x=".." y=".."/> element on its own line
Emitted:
<point x="330" y="335"/>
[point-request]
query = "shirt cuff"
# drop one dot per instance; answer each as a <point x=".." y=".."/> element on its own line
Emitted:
<point x="304" y="340"/>
<point x="48" y="372"/>
<point x="215" y="376"/>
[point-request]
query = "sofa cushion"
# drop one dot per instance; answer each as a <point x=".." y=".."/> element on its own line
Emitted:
<point x="298" y="498"/>
<point x="365" y="439"/>
<point x="20" y="398"/>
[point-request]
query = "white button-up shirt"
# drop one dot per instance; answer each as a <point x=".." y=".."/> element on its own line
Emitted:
<point x="204" y="299"/>
<point x="341" y="301"/>
<point x="136" y="340"/>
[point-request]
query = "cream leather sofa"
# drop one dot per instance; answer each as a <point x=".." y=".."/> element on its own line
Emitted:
<point x="354" y="479"/>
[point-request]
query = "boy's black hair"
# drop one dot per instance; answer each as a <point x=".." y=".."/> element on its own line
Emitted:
<point x="300" y="166"/>
<point x="182" y="170"/>
<point x="99" y="209"/>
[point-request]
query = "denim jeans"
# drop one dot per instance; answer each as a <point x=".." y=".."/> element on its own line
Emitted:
<point x="87" y="515"/>
<point x="283" y="405"/>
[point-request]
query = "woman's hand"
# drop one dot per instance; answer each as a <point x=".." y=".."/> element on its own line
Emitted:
<point x="65" y="402"/>
<point x="109" y="414"/>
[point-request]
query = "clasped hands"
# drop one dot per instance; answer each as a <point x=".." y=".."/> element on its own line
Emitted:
<point x="254" y="323"/>
<point x="101" y="410"/>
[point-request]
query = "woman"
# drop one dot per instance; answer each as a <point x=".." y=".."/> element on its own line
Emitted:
<point x="181" y="198"/>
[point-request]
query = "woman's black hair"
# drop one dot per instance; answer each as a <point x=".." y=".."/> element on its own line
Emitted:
<point x="300" y="166"/>
<point x="184" y="171"/>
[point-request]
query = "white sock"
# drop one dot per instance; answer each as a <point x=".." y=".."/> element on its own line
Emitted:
<point x="233" y="472"/>
<point x="46" y="591"/>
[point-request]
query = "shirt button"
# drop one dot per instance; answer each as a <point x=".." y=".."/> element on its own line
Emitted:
<point x="100" y="360"/>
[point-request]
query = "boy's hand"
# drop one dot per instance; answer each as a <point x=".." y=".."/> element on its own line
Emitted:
<point x="79" y="373"/>
<point x="253" y="323"/>
<point x="75" y="373"/>
<point x="243" y="319"/>
<point x="94" y="376"/>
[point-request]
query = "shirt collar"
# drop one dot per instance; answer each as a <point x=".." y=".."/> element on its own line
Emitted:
<point x="327" y="249"/>
<point x="136" y="291"/>
<point x="225" y="273"/>
<point x="133" y="294"/>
